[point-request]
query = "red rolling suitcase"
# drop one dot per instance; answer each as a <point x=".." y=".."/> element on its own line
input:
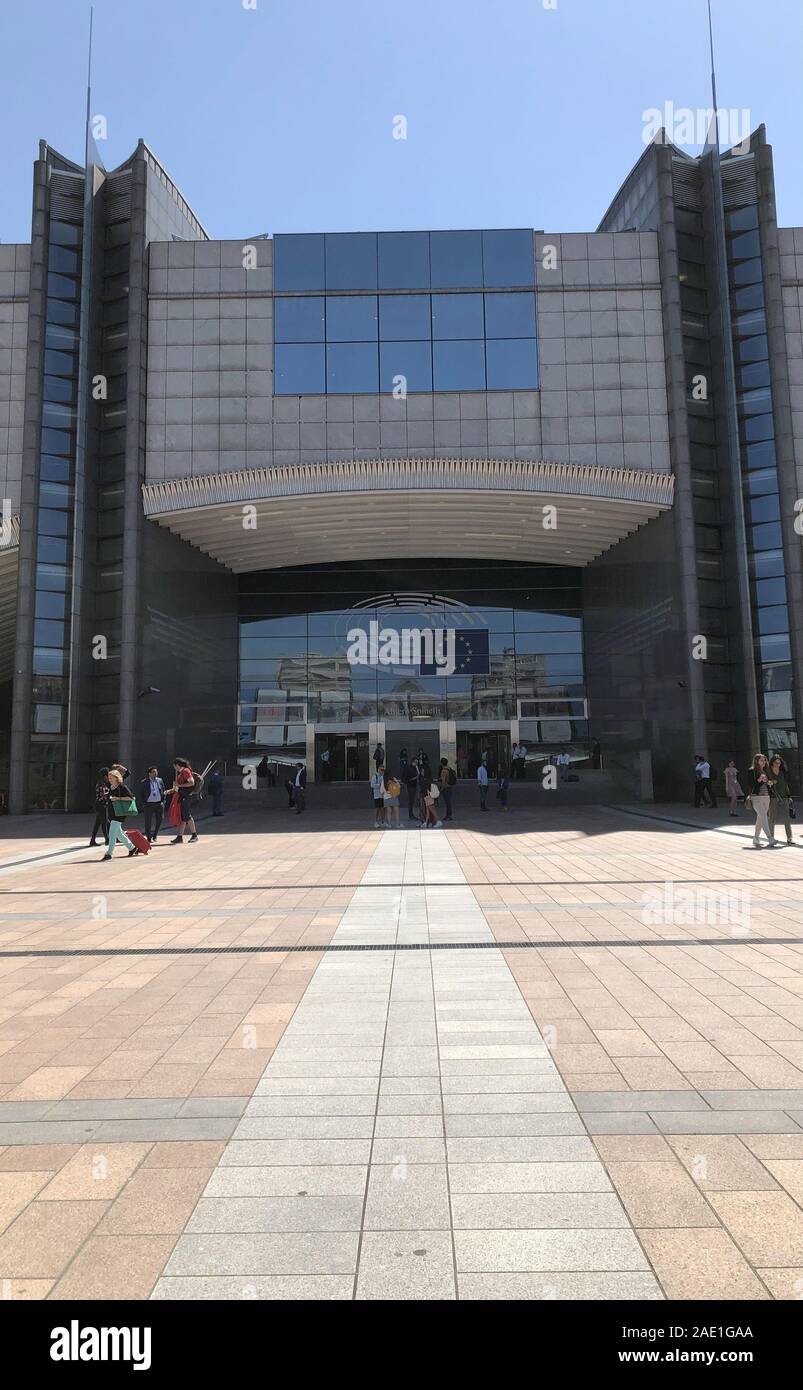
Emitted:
<point x="139" y="841"/>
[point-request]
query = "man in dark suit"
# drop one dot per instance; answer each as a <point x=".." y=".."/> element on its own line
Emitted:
<point x="151" y="798"/>
<point x="300" y="788"/>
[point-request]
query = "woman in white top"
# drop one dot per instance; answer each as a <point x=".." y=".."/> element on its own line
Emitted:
<point x="378" y="793"/>
<point x="732" y="788"/>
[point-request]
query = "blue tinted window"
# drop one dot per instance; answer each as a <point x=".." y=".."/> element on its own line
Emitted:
<point x="508" y="258"/>
<point x="404" y="316"/>
<point x="351" y="261"/>
<point x="455" y="259"/>
<point x="352" y="367"/>
<point x="510" y="315"/>
<point x="458" y="366"/>
<point x="746" y="272"/>
<point x="413" y="361"/>
<point x="512" y="364"/>
<point x="769" y="619"/>
<point x="298" y="262"/>
<point x="350" y="318"/>
<point x="767" y="591"/>
<point x="299" y="320"/>
<point x="457" y="316"/>
<point x="300" y="369"/>
<point x="403" y="260"/>
<point x="758" y="427"/>
<point x="767" y="537"/>
<point x="767" y="508"/>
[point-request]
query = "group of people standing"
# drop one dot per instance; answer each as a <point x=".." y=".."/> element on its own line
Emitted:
<point x="429" y="794"/>
<point x="115" y="803"/>
<point x="769" y="794"/>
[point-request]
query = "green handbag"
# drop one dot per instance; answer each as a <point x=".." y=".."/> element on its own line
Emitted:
<point x="124" y="807"/>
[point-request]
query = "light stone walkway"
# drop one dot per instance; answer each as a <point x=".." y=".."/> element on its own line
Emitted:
<point x="410" y="1137"/>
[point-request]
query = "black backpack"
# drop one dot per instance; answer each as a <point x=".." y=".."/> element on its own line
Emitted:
<point x="451" y="777"/>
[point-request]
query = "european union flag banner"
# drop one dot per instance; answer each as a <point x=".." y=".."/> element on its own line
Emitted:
<point x="461" y="651"/>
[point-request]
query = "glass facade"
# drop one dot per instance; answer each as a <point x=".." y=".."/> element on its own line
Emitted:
<point x="518" y="651"/>
<point x="771" y="643"/>
<point x="54" y="522"/>
<point x="478" y="335"/>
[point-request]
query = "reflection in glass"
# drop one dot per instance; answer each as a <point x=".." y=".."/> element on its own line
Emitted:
<point x="457" y="316"/>
<point x="403" y="260"/>
<point x="413" y="361"/>
<point x="511" y="364"/>
<point x="352" y="367"/>
<point x="351" y="318"/>
<point x="298" y="262"/>
<point x="455" y="259"/>
<point x="300" y="369"/>
<point x="351" y="260"/>
<point x="299" y="320"/>
<point x="404" y="316"/>
<point x="508" y="257"/>
<point x="458" y="366"/>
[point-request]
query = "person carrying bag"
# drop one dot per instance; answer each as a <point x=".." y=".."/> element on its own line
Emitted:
<point x="122" y="804"/>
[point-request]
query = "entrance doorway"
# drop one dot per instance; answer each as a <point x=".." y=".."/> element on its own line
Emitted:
<point x="472" y="743"/>
<point x="412" y="738"/>
<point x="347" y="759"/>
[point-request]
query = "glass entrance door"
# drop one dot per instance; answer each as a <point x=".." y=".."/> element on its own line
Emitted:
<point x="473" y="743"/>
<point x="341" y="757"/>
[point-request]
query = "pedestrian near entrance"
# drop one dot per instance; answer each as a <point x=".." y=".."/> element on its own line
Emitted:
<point x="326" y="764"/>
<point x="482" y="783"/>
<point x="151" y="802"/>
<point x="780" y="798"/>
<point x="122" y="805"/>
<point x="760" y="792"/>
<point x="102" y="807"/>
<point x="432" y="812"/>
<point x="563" y="763"/>
<point x="378" y="794"/>
<point x="216" y="786"/>
<point x="448" y="780"/>
<point x="379" y="756"/>
<point x="409" y="775"/>
<point x="300" y="788"/>
<point x="502" y="788"/>
<point x="703" y="784"/>
<point x="392" y="793"/>
<point x="184" y="789"/>
<point x="424" y="784"/>
<point x="733" y="789"/>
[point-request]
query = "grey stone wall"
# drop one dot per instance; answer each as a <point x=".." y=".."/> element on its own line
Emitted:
<point x="14" y="270"/>
<point x="211" y="407"/>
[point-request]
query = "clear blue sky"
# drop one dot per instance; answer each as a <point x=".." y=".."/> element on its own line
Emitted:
<point x="279" y="118"/>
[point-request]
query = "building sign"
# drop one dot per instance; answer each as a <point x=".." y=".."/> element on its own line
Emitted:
<point x="445" y="651"/>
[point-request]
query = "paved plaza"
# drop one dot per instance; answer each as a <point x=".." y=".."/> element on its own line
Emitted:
<point x="536" y="1056"/>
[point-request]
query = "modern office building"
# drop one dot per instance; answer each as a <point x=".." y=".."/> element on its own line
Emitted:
<point x="277" y="496"/>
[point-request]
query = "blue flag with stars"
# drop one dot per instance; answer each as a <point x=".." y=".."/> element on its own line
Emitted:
<point x="471" y="654"/>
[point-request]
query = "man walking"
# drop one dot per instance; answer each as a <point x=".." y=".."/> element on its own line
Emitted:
<point x="300" y="788"/>
<point x="703" y="787"/>
<point x="151" y="802"/>
<point x="482" y="783"/>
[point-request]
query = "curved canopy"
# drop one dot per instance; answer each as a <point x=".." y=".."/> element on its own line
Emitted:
<point x="553" y="513"/>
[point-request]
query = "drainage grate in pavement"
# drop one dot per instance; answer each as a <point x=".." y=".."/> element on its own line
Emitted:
<point x="406" y="946"/>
